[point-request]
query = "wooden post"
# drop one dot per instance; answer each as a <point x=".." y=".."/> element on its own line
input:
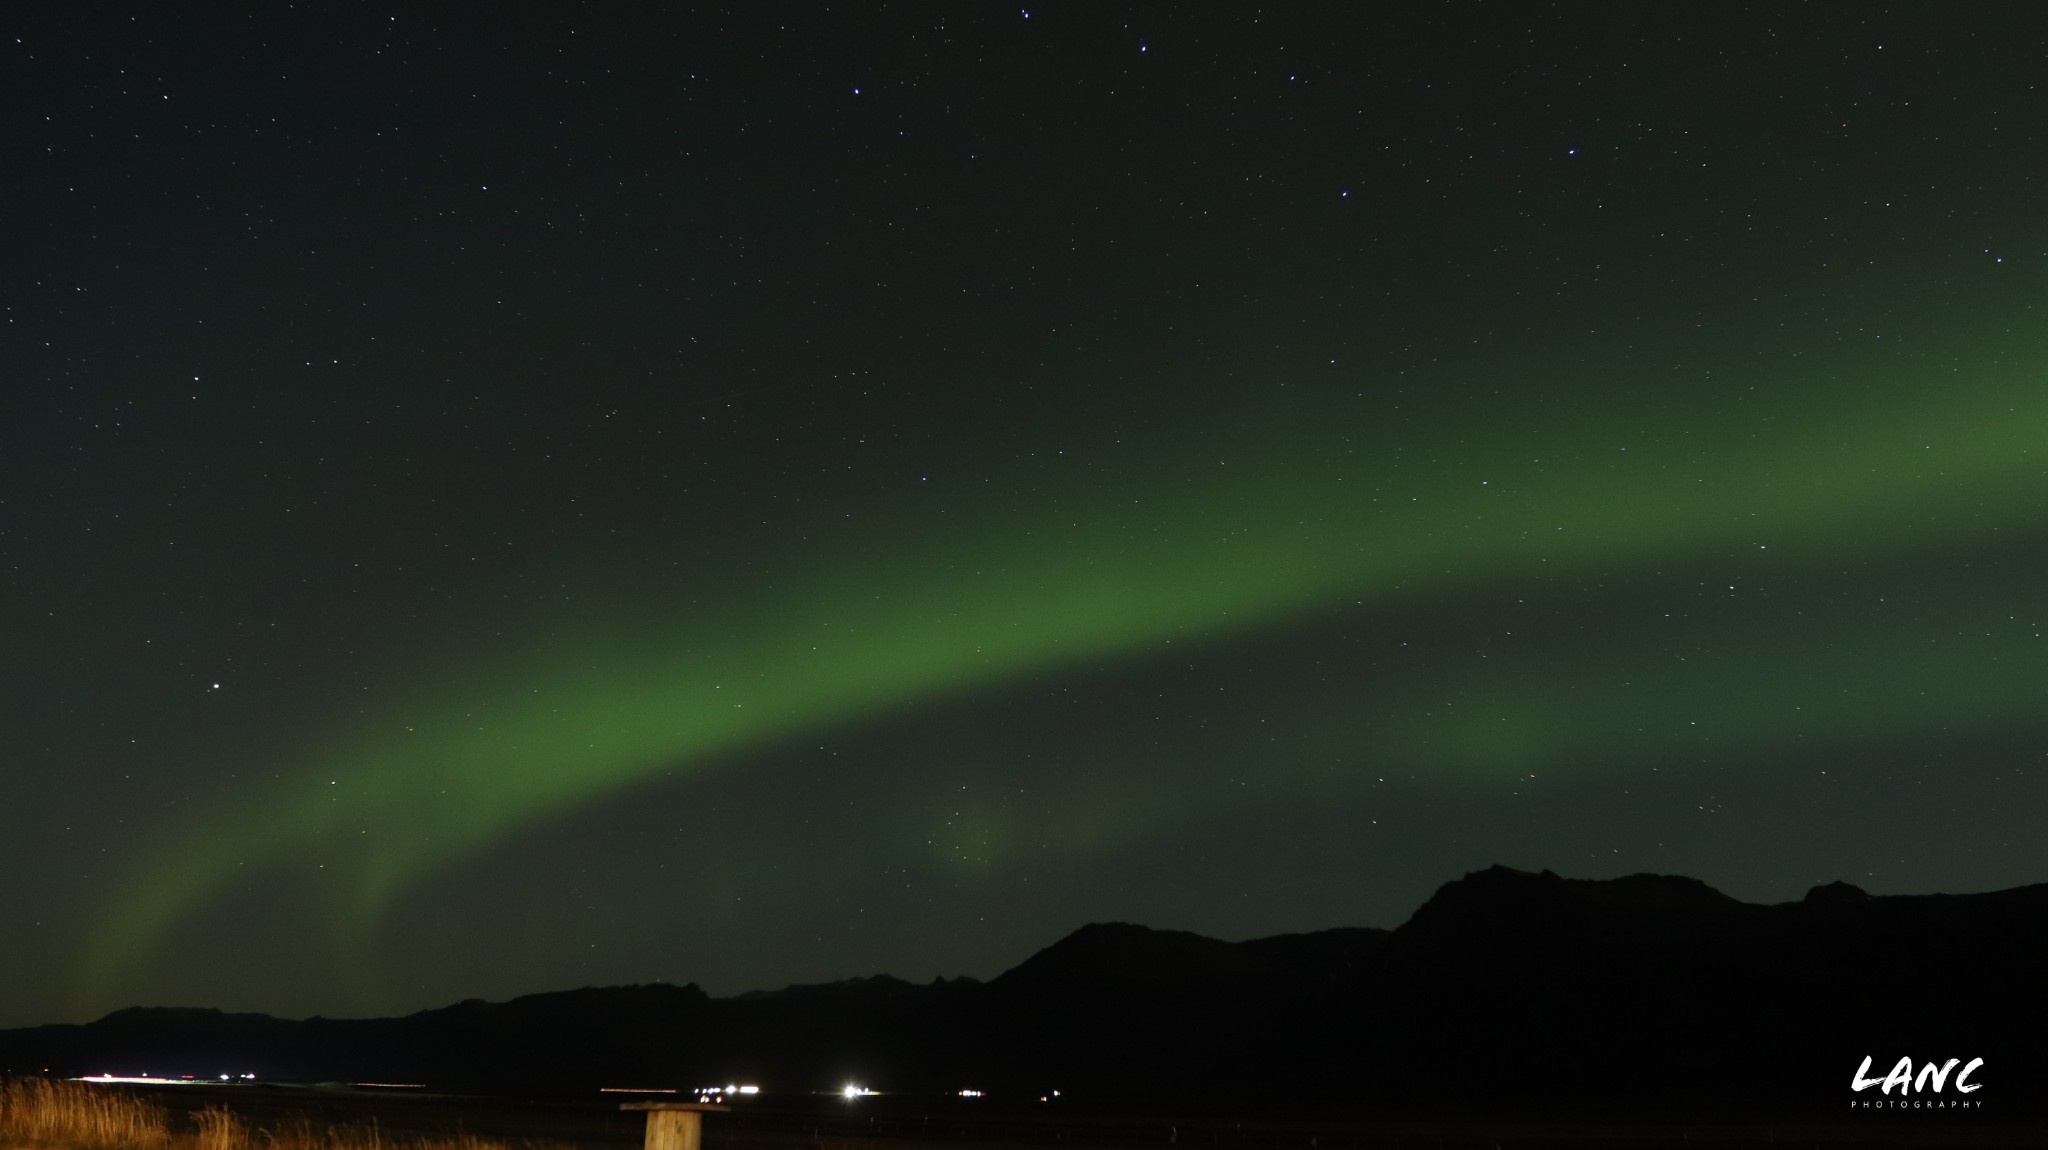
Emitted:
<point x="674" y="1125"/>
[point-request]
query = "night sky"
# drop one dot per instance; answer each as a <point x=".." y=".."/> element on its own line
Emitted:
<point x="512" y="499"/>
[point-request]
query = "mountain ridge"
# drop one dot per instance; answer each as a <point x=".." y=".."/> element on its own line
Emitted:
<point x="1506" y="988"/>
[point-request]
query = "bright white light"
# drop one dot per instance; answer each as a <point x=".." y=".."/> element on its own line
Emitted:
<point x="750" y="1090"/>
<point x="853" y="1091"/>
<point x="970" y="1094"/>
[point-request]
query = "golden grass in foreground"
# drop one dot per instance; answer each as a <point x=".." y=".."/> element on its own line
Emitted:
<point x="34" y="1112"/>
<point x="40" y="1115"/>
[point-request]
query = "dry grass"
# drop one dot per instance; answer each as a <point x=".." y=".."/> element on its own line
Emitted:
<point x="34" y="1112"/>
<point x="41" y="1115"/>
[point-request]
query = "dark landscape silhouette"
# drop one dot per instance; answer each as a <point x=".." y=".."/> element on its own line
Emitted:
<point x="1507" y="993"/>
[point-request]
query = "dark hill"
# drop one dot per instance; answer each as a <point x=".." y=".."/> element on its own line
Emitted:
<point x="1506" y="991"/>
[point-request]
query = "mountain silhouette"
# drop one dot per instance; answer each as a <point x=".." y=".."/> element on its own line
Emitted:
<point x="1506" y="992"/>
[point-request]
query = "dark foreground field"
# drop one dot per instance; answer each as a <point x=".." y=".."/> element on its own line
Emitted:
<point x="823" y="1122"/>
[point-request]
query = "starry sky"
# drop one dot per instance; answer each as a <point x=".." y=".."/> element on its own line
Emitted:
<point x="510" y="498"/>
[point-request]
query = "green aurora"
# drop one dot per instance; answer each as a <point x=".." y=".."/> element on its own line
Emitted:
<point x="1331" y="497"/>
